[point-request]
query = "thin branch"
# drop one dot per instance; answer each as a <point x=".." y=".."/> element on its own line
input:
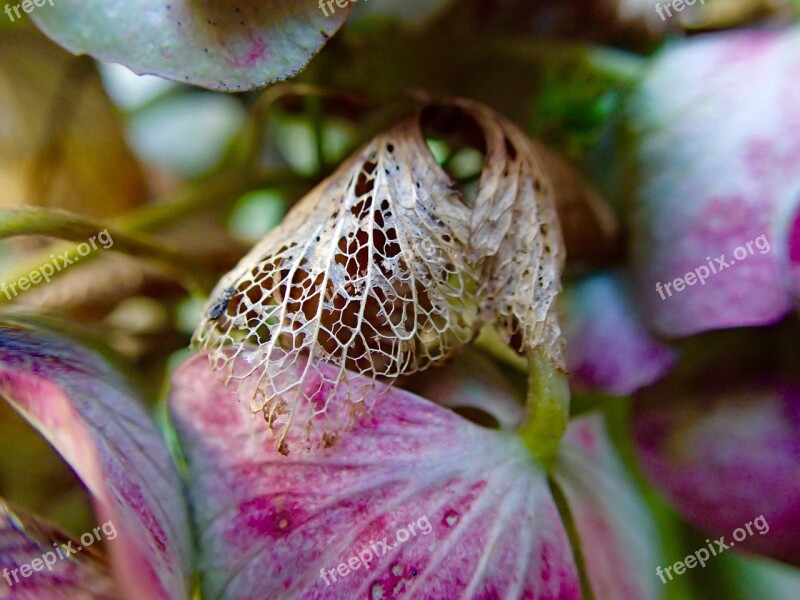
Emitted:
<point x="68" y="226"/>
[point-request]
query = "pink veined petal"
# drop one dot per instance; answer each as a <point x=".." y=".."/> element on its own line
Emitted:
<point x="24" y="539"/>
<point x="717" y="150"/>
<point x="725" y="457"/>
<point x="618" y="537"/>
<point x="96" y="423"/>
<point x="609" y="348"/>
<point x="271" y="526"/>
<point x="473" y="385"/>
<point x="790" y="248"/>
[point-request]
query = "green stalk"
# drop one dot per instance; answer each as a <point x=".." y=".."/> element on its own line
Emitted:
<point x="548" y="395"/>
<point x="215" y="194"/>
<point x="42" y="221"/>
<point x="548" y="407"/>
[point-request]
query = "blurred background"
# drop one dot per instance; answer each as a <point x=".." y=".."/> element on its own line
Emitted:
<point x="211" y="173"/>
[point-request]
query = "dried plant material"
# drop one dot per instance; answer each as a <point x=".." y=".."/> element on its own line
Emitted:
<point x="386" y="268"/>
<point x="516" y="238"/>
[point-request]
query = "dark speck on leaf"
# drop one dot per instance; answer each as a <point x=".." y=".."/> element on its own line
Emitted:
<point x="222" y="304"/>
<point x="283" y="448"/>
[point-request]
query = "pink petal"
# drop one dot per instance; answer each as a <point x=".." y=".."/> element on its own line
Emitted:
<point x="617" y="534"/>
<point x="24" y="540"/>
<point x="725" y="457"/>
<point x="269" y="524"/>
<point x="474" y="386"/>
<point x="224" y="46"/>
<point x="609" y="349"/>
<point x="96" y="423"/>
<point x="790" y="248"/>
<point x="717" y="137"/>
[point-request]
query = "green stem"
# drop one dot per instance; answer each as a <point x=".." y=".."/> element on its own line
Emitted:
<point x="215" y="194"/>
<point x="208" y="195"/>
<point x="489" y="341"/>
<point x="548" y="394"/>
<point x="41" y="221"/>
<point x="261" y="110"/>
<point x="548" y="407"/>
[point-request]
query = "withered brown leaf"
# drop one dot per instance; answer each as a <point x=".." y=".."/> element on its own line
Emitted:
<point x="386" y="268"/>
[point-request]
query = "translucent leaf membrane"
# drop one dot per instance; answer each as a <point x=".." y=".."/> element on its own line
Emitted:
<point x="516" y="238"/>
<point x="78" y="576"/>
<point x="386" y="268"/>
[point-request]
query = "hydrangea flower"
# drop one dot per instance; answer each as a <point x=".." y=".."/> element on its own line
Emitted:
<point x="416" y="501"/>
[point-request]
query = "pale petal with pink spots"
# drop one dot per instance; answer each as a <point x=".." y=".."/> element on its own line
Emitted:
<point x="716" y="137"/>
<point x="272" y="526"/>
<point x="233" y="45"/>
